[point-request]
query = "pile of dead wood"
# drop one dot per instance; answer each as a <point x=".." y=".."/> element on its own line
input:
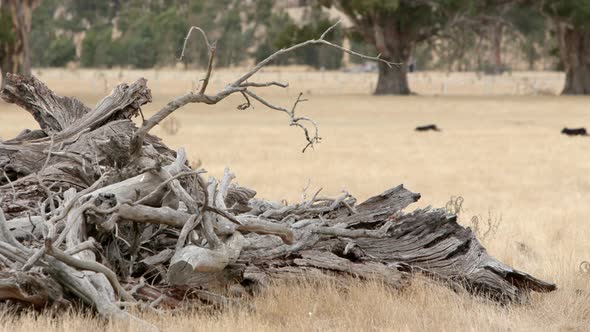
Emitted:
<point x="97" y="211"/>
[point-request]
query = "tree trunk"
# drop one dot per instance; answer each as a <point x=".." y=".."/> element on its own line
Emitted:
<point x="6" y="46"/>
<point x="394" y="41"/>
<point x="497" y="31"/>
<point x="26" y="60"/>
<point x="395" y="46"/>
<point x="27" y="21"/>
<point x="5" y="65"/>
<point x="392" y="81"/>
<point x="22" y="15"/>
<point x="574" y="45"/>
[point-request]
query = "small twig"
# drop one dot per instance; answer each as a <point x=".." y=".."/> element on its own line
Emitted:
<point x="188" y="36"/>
<point x="212" y="49"/>
<point x="275" y="55"/>
<point x="262" y="85"/>
<point x="294" y="121"/>
<point x="314" y="198"/>
<point x="330" y="29"/>
<point x="245" y="105"/>
<point x="33" y="225"/>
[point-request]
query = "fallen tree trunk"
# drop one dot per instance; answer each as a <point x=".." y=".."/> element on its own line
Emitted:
<point x="319" y="237"/>
<point x="101" y="212"/>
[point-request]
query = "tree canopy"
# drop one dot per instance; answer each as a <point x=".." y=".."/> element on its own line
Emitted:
<point x="489" y="35"/>
<point x="575" y="12"/>
<point x="395" y="28"/>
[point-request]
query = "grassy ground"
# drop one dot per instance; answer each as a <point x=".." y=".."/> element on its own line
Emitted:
<point x="501" y="151"/>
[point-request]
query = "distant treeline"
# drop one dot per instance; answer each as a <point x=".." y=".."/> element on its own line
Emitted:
<point x="145" y="34"/>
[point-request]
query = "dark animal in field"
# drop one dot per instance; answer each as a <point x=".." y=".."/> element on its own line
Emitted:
<point x="431" y="127"/>
<point x="574" y="131"/>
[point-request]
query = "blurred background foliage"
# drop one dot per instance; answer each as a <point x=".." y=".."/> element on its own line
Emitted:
<point x="145" y="34"/>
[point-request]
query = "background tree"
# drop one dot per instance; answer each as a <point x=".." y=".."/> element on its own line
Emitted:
<point x="21" y="12"/>
<point x="492" y="28"/>
<point x="572" y="25"/>
<point x="395" y="27"/>
<point x="15" y="47"/>
<point x="7" y="43"/>
<point x="533" y="32"/>
<point x="459" y="34"/>
<point x="492" y="21"/>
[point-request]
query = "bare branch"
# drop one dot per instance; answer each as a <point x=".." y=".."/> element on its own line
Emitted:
<point x="330" y="29"/>
<point x="240" y="85"/>
<point x="295" y="121"/>
<point x="51" y="236"/>
<point x="320" y="41"/>
<point x="266" y="84"/>
<point x="209" y="46"/>
<point x="245" y="105"/>
<point x="212" y="49"/>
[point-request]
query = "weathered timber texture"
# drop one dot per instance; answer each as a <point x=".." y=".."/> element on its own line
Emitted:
<point x="85" y="218"/>
<point x="81" y="141"/>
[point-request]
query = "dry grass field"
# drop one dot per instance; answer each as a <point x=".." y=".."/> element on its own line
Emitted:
<point x="500" y="149"/>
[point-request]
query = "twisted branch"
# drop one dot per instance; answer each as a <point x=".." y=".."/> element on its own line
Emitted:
<point x="242" y="85"/>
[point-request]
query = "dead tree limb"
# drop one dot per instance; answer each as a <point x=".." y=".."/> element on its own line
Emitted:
<point x="241" y="85"/>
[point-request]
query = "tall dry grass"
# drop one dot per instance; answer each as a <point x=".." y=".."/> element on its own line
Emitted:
<point x="502" y="152"/>
<point x="361" y="306"/>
